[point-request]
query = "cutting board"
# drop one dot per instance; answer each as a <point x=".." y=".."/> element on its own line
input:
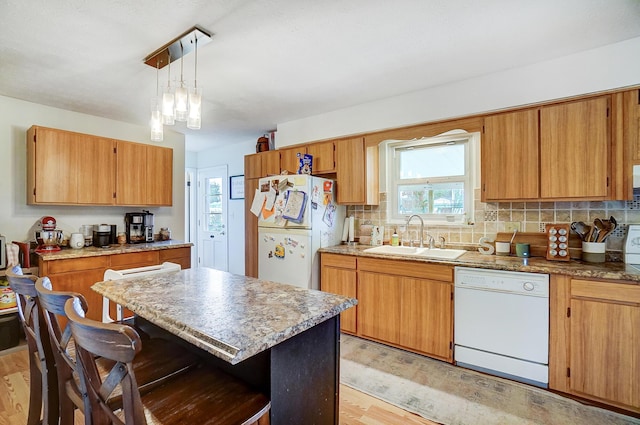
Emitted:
<point x="538" y="243"/>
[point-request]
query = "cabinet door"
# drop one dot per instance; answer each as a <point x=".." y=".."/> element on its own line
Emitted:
<point x="250" y="230"/>
<point x="159" y="176"/>
<point x="252" y="166"/>
<point x="130" y="173"/>
<point x="341" y="282"/>
<point x="510" y="156"/>
<point x="605" y="351"/>
<point x="379" y="306"/>
<point x="270" y="163"/>
<point x="289" y="159"/>
<point x="97" y="166"/>
<point x="427" y="317"/>
<point x="632" y="123"/>
<point x="323" y="161"/>
<point x="574" y="149"/>
<point x="56" y="172"/>
<point x="350" y="171"/>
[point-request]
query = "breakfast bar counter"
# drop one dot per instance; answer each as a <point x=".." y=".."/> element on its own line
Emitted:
<point x="281" y="338"/>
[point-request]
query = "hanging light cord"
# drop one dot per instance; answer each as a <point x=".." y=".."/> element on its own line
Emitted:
<point x="169" y="75"/>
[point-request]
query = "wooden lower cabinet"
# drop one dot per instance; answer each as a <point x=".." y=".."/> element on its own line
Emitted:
<point x="596" y="342"/>
<point x="407" y="304"/>
<point x="79" y="274"/>
<point x="339" y="276"/>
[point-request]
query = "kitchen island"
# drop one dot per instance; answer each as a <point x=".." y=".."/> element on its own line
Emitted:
<point x="280" y="338"/>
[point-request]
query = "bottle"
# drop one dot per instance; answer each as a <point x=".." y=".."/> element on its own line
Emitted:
<point x="395" y="240"/>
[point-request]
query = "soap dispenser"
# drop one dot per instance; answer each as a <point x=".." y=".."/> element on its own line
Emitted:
<point x="395" y="240"/>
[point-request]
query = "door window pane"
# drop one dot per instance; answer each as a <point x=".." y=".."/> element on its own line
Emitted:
<point x="213" y="203"/>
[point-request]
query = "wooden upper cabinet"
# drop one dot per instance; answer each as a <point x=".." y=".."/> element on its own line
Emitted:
<point x="289" y="159"/>
<point x="632" y="123"/>
<point x="510" y="156"/>
<point x="64" y="167"/>
<point x="97" y="166"/>
<point x="131" y="173"/>
<point x="262" y="164"/>
<point x="159" y="176"/>
<point x="575" y="143"/>
<point x="356" y="172"/>
<point x="144" y="175"/>
<point x="323" y="157"/>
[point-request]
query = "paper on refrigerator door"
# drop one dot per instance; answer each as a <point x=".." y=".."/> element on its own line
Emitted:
<point x="258" y="202"/>
<point x="270" y="198"/>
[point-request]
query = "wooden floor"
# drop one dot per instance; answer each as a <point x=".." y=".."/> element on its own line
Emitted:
<point x="356" y="408"/>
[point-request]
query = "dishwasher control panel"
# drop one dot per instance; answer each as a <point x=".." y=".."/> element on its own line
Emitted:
<point x="533" y="284"/>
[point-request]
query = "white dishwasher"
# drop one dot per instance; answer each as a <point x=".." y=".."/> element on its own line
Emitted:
<point x="501" y="323"/>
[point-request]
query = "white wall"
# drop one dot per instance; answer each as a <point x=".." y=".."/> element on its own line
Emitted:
<point x="18" y="220"/>
<point x="233" y="157"/>
<point x="613" y="66"/>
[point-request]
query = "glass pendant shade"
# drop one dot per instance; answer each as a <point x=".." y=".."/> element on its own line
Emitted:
<point x="182" y="103"/>
<point x="157" y="133"/>
<point x="168" y="116"/>
<point x="195" y="109"/>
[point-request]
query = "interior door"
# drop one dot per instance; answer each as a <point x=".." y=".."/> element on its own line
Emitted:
<point x="212" y="218"/>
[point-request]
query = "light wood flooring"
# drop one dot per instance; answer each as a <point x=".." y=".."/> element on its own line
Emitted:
<point x="356" y="408"/>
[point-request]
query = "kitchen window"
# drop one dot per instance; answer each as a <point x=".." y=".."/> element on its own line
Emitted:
<point x="433" y="177"/>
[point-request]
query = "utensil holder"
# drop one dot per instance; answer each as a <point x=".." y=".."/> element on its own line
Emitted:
<point x="593" y="252"/>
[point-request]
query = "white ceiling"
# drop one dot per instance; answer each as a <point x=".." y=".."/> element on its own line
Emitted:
<point x="273" y="61"/>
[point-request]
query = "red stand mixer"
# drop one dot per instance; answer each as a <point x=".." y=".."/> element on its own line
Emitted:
<point x="49" y="239"/>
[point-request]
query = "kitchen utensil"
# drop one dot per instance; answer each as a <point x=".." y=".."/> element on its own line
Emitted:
<point x="514" y="236"/>
<point x="581" y="229"/>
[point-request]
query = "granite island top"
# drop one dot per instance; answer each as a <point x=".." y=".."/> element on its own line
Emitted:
<point x="576" y="268"/>
<point x="92" y="251"/>
<point x="231" y="316"/>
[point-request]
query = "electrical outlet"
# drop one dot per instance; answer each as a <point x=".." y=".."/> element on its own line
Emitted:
<point x="510" y="226"/>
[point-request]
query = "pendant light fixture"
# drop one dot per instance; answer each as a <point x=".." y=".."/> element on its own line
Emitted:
<point x="168" y="114"/>
<point x="179" y="103"/>
<point x="195" y="97"/>
<point x="157" y="133"/>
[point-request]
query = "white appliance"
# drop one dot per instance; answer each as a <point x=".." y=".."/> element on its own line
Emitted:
<point x="501" y="323"/>
<point x="111" y="274"/>
<point x="299" y="215"/>
<point x="631" y="249"/>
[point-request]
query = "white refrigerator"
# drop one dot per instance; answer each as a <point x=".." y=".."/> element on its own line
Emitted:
<point x="297" y="215"/>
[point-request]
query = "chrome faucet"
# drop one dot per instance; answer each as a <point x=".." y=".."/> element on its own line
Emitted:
<point x="421" y="228"/>
<point x="432" y="241"/>
<point x="442" y="242"/>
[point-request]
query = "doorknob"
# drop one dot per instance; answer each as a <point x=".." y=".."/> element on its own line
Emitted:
<point x="212" y="236"/>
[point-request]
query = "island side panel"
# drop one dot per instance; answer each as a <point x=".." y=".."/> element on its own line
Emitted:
<point x="305" y="376"/>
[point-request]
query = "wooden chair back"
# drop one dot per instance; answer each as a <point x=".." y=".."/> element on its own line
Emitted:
<point x="52" y="304"/>
<point x="119" y="343"/>
<point x="43" y="392"/>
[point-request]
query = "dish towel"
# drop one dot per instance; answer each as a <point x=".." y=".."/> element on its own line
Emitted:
<point x="12" y="254"/>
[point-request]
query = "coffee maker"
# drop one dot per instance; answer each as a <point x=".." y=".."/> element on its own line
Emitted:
<point x="139" y="227"/>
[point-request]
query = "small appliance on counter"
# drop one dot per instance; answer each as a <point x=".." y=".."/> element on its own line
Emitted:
<point x="102" y="235"/>
<point x="139" y="227"/>
<point x="49" y="238"/>
<point x="631" y="249"/>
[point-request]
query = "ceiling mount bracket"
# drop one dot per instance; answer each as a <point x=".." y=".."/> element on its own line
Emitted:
<point x="178" y="47"/>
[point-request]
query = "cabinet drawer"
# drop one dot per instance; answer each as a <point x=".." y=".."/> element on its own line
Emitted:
<point x="620" y="292"/>
<point x="138" y="259"/>
<point x="337" y="260"/>
<point x="173" y="253"/>
<point x="77" y="264"/>
<point x="408" y="269"/>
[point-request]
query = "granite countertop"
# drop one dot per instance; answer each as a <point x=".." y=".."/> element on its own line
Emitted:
<point x="576" y="268"/>
<point x="231" y="316"/>
<point x="92" y="251"/>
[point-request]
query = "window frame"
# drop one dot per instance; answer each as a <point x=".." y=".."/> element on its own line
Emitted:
<point x="391" y="177"/>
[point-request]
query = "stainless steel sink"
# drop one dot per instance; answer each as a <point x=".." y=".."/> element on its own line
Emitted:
<point x="410" y="251"/>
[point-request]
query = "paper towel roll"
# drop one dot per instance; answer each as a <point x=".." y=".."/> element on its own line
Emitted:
<point x="345" y="229"/>
<point x="351" y="229"/>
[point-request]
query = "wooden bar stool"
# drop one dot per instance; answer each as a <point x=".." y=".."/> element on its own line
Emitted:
<point x="201" y="396"/>
<point x="158" y="361"/>
<point x="43" y="385"/>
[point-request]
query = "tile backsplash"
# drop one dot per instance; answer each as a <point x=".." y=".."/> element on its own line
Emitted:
<point x="493" y="217"/>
